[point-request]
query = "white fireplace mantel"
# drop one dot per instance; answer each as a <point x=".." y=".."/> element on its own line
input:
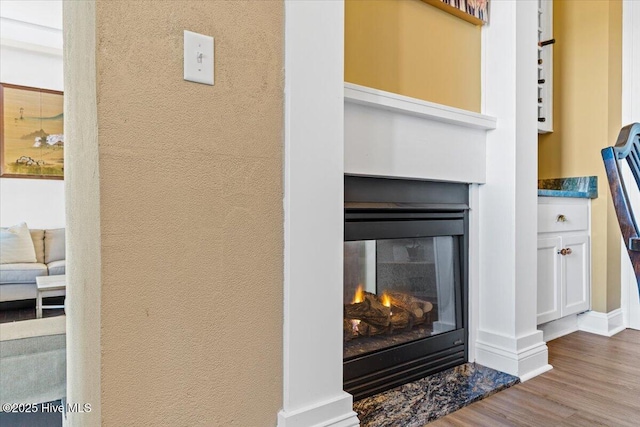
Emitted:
<point x="387" y="134"/>
<point x="389" y="101"/>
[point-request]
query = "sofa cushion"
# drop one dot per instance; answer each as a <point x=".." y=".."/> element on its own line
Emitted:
<point x="22" y="272"/>
<point x="16" y="245"/>
<point x="56" y="267"/>
<point x="18" y="291"/>
<point x="54" y="245"/>
<point x="38" y="243"/>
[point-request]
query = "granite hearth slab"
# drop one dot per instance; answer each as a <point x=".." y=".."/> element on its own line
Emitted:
<point x="420" y="402"/>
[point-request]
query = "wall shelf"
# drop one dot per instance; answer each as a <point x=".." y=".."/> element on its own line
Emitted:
<point x="545" y="67"/>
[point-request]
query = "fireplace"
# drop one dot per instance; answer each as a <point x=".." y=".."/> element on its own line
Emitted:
<point x="405" y="281"/>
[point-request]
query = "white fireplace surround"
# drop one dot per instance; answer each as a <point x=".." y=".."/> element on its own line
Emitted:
<point x="391" y="135"/>
<point x="332" y="129"/>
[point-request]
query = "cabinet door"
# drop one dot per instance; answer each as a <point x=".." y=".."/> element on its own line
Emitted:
<point x="548" y="279"/>
<point x="577" y="275"/>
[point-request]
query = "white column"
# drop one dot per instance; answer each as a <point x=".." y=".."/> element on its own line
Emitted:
<point x="313" y="206"/>
<point x="507" y="337"/>
<point x="82" y="197"/>
<point x="630" y="113"/>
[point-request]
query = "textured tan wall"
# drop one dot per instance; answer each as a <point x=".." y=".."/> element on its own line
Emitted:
<point x="191" y="215"/>
<point x="587" y="117"/>
<point x="82" y="194"/>
<point x="412" y="48"/>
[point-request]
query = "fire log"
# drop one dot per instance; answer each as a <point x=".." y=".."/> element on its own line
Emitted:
<point x="367" y="330"/>
<point x="415" y="306"/>
<point x="370" y="310"/>
<point x="400" y="318"/>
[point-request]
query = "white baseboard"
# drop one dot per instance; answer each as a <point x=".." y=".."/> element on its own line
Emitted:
<point x="337" y="412"/>
<point x="524" y="357"/>
<point x="559" y="328"/>
<point x="532" y="374"/>
<point x="606" y="324"/>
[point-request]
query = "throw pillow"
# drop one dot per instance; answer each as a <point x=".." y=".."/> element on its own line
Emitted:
<point x="54" y="245"/>
<point x="16" y="245"/>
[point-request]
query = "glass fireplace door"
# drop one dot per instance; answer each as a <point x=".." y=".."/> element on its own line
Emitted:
<point x="399" y="290"/>
<point x="405" y="280"/>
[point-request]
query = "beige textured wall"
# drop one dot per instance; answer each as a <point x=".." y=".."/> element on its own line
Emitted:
<point x="82" y="193"/>
<point x="191" y="216"/>
<point x="587" y="117"/>
<point x="412" y="48"/>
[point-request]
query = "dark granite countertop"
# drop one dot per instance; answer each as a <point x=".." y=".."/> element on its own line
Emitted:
<point x="585" y="187"/>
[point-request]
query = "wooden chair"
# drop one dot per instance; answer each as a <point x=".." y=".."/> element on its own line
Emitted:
<point x="627" y="147"/>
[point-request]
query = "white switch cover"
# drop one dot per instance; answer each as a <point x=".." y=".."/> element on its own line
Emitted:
<point x="198" y="58"/>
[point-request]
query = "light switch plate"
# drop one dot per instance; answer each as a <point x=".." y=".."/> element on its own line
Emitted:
<point x="198" y="58"/>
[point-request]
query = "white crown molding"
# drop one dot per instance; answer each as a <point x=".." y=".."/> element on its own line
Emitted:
<point x="16" y="44"/>
<point x="28" y="36"/>
<point x="404" y="104"/>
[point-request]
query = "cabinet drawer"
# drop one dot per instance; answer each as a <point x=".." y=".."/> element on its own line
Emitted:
<point x="550" y="217"/>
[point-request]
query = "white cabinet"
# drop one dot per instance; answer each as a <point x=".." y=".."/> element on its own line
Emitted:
<point x="564" y="257"/>
<point x="549" y="278"/>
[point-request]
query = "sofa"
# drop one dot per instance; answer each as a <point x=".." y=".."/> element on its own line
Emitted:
<point x="18" y="281"/>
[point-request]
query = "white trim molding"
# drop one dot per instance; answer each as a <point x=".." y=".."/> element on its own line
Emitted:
<point x="559" y="327"/>
<point x="607" y="324"/>
<point x="322" y="414"/>
<point x="29" y="36"/>
<point x="391" y="135"/>
<point x="630" y="113"/>
<point x="406" y="105"/>
<point x="313" y="217"/>
<point x="524" y="357"/>
<point x="508" y="339"/>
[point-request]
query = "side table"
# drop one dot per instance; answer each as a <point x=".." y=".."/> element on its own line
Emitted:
<point x="49" y="286"/>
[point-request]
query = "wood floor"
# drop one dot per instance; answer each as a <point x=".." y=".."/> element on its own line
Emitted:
<point x="595" y="381"/>
<point x="27" y="310"/>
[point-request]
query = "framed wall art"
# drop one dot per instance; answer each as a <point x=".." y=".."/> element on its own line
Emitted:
<point x="31" y="132"/>
<point x="474" y="11"/>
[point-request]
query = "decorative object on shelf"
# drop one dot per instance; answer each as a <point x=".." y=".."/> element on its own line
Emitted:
<point x="474" y="11"/>
<point x="31" y="132"/>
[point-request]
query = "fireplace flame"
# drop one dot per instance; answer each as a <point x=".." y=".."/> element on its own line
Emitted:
<point x="385" y="300"/>
<point x="359" y="296"/>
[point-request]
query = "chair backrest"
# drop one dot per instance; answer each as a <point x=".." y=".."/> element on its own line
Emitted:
<point x="627" y="147"/>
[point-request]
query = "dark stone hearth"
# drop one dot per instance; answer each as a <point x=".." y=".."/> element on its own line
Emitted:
<point x="420" y="402"/>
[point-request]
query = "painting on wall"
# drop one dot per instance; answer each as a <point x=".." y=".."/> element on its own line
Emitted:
<point x="31" y="132"/>
<point x="474" y="11"/>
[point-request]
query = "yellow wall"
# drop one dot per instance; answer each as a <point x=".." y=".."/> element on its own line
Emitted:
<point x="411" y="48"/>
<point x="190" y="213"/>
<point x="587" y="118"/>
